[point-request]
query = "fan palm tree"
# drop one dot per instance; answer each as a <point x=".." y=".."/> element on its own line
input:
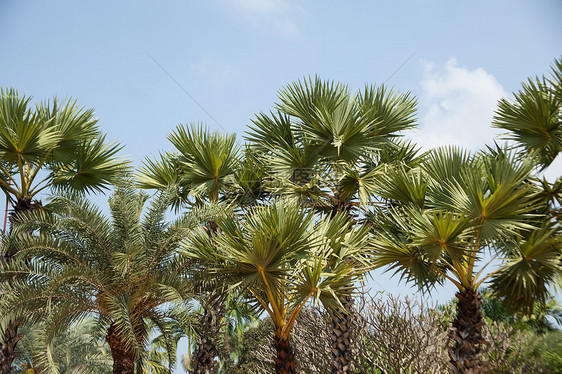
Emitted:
<point x="533" y="121"/>
<point x="447" y="213"/>
<point x="279" y="260"/>
<point x="122" y="271"/>
<point x="325" y="147"/>
<point x="54" y="145"/>
<point x="206" y="168"/>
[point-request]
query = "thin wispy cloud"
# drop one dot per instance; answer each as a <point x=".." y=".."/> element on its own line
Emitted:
<point x="457" y="106"/>
<point x="215" y="71"/>
<point x="277" y="15"/>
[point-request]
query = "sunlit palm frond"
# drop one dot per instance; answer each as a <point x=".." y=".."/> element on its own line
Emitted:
<point x="534" y="118"/>
<point x="94" y="167"/>
<point x="391" y="112"/>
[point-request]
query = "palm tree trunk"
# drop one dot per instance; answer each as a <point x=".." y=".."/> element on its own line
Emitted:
<point x="10" y="336"/>
<point x="213" y="314"/>
<point x="123" y="358"/>
<point x="466" y="336"/>
<point x="341" y="325"/>
<point x="9" y="340"/>
<point x="285" y="362"/>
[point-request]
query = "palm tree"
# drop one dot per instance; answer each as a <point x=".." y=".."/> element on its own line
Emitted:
<point x="57" y="146"/>
<point x="278" y="259"/>
<point x="123" y="271"/>
<point x="446" y="214"/>
<point x="206" y="169"/>
<point x="325" y="147"/>
<point x="533" y="120"/>
<point x="78" y="349"/>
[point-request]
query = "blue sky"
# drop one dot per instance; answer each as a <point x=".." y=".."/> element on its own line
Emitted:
<point x="132" y="60"/>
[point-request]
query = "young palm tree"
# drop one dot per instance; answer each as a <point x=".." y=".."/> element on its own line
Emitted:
<point x="325" y="147"/>
<point x="279" y="260"/>
<point x="122" y="271"/>
<point x="451" y="210"/>
<point x="54" y="145"/>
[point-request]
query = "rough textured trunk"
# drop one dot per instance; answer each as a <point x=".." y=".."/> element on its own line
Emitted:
<point x="285" y="362"/>
<point x="466" y="343"/>
<point x="10" y="336"/>
<point x="211" y="322"/>
<point x="204" y="360"/>
<point x="123" y="358"/>
<point x="10" y="339"/>
<point x="341" y="324"/>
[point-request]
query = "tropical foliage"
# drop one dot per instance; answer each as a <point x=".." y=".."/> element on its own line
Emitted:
<point x="278" y="259"/>
<point x="533" y="119"/>
<point x="448" y="213"/>
<point x="274" y="237"/>
<point x="55" y="146"/>
<point x="121" y="271"/>
<point x="324" y="148"/>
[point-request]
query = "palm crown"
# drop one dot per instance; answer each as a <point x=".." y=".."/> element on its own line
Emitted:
<point x="323" y="144"/>
<point x="61" y="140"/>
<point x="280" y="260"/>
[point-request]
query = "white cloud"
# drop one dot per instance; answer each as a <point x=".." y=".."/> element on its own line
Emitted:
<point x="215" y="71"/>
<point x="457" y="106"/>
<point x="275" y="14"/>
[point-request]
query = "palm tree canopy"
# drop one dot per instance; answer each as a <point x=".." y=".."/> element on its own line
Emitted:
<point x="446" y="212"/>
<point x="61" y="140"/>
<point x="122" y="270"/>
<point x="322" y="144"/>
<point x="279" y="258"/>
<point x="205" y="166"/>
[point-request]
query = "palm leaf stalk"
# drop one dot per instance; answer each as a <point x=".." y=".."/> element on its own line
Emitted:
<point x="278" y="259"/>
<point x="121" y="270"/>
<point x="325" y="147"/>
<point x="55" y="146"/>
<point x="447" y="213"/>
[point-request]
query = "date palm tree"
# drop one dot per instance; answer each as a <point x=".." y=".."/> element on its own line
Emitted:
<point x="279" y="260"/>
<point x="52" y="146"/>
<point x="121" y="270"/>
<point x="451" y="210"/>
<point x="325" y="147"/>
